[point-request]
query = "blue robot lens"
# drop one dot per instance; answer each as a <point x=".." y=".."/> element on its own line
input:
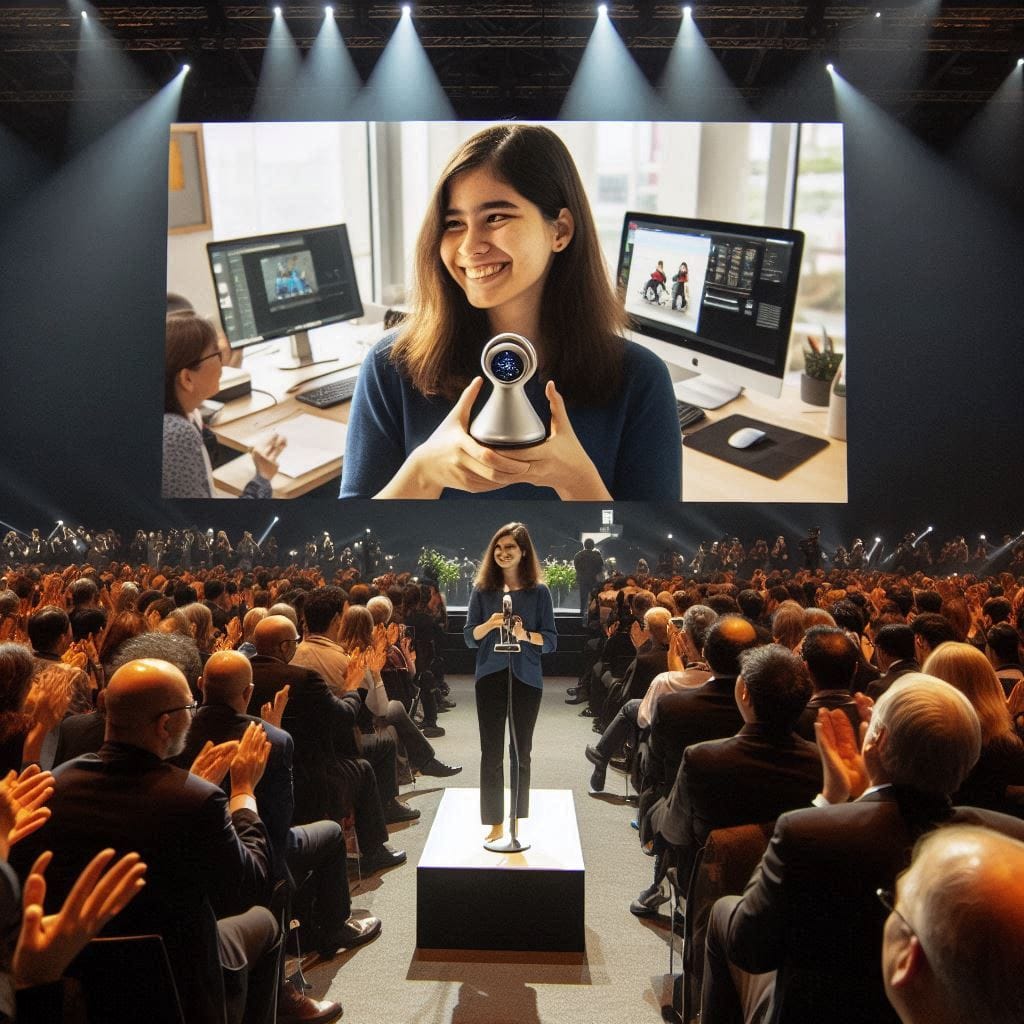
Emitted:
<point x="507" y="366"/>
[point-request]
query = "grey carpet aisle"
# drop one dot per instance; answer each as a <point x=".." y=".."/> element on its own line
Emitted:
<point x="620" y="978"/>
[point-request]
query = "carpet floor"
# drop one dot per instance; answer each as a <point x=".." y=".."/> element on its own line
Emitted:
<point x="621" y="976"/>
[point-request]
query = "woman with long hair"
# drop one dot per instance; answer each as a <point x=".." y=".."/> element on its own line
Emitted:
<point x="997" y="781"/>
<point x="509" y="244"/>
<point x="192" y="364"/>
<point x="509" y="566"/>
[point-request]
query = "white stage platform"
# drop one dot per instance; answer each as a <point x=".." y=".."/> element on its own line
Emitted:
<point x="470" y="898"/>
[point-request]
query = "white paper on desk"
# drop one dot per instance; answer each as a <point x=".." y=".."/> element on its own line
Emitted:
<point x="312" y="442"/>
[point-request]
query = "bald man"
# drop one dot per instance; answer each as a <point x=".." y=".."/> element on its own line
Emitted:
<point x="203" y="852"/>
<point x="332" y="778"/>
<point x="951" y="949"/>
<point x="314" y="853"/>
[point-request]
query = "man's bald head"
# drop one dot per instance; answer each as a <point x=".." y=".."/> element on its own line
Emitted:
<point x="142" y="698"/>
<point x="226" y="679"/>
<point x="275" y="637"/>
<point x="656" y="620"/>
<point x="955" y="954"/>
<point x="727" y="639"/>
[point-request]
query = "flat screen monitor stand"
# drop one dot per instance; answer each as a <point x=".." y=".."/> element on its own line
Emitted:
<point x="705" y="392"/>
<point x="302" y="353"/>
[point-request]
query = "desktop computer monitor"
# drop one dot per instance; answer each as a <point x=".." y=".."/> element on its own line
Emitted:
<point x="271" y="286"/>
<point x="714" y="298"/>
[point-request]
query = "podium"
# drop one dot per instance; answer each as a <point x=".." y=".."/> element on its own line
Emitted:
<point x="470" y="898"/>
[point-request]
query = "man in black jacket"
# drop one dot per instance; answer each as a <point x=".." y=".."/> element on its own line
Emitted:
<point x="205" y="856"/>
<point x="331" y="778"/>
<point x="314" y="854"/>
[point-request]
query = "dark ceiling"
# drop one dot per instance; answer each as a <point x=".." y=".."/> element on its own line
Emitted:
<point x="931" y="65"/>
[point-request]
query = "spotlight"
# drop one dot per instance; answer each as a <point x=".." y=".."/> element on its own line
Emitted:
<point x="85" y="15"/>
<point x="830" y="68"/>
<point x="687" y="10"/>
<point x="186" y="68"/>
<point x="878" y="540"/>
<point x="277" y="12"/>
<point x="328" y="11"/>
<point x="1020" y="61"/>
<point x="602" y="8"/>
<point x="878" y="14"/>
<point x="406" y="10"/>
<point x="982" y="536"/>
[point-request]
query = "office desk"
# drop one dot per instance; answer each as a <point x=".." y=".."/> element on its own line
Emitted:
<point x="245" y="421"/>
<point x="822" y="478"/>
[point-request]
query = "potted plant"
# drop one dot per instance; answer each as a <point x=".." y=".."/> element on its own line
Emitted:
<point x="821" y="364"/>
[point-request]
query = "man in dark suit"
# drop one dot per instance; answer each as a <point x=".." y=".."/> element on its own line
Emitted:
<point x="752" y="777"/>
<point x="331" y="778"/>
<point x="315" y="851"/>
<point x="707" y="712"/>
<point x="205" y="856"/>
<point x="894" y="652"/>
<point x="831" y="660"/>
<point x="808" y="926"/>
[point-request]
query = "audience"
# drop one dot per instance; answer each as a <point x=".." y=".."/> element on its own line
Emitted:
<point x="707" y="711"/>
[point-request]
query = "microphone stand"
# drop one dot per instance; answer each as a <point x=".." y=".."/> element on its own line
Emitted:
<point x="510" y="645"/>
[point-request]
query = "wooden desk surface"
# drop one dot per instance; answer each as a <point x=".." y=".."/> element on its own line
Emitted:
<point x="244" y="421"/>
<point x="822" y="478"/>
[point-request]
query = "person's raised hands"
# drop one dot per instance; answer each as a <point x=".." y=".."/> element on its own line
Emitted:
<point x="355" y="671"/>
<point x="213" y="761"/>
<point x="273" y="711"/>
<point x="47" y="943"/>
<point x="451" y="458"/>
<point x="845" y="775"/>
<point x="250" y="760"/>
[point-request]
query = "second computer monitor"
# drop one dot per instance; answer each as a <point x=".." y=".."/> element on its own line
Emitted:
<point x="270" y="286"/>
<point x="718" y="296"/>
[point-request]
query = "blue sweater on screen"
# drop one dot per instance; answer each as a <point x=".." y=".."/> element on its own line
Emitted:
<point x="633" y="439"/>
<point x="534" y="607"/>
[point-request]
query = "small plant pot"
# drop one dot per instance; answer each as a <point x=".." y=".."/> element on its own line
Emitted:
<point x="813" y="391"/>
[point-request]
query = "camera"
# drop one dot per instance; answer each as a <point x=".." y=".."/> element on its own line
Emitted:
<point x="508" y="420"/>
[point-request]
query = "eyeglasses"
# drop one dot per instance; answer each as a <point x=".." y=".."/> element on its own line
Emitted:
<point x="888" y="900"/>
<point x="190" y="708"/>
<point x="210" y="355"/>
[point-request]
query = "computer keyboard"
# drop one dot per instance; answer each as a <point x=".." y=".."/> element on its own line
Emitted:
<point x="333" y="393"/>
<point x="688" y="414"/>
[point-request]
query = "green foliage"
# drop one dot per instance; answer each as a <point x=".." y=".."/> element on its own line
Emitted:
<point x="822" y="365"/>
<point x="445" y="570"/>
<point x="559" y="575"/>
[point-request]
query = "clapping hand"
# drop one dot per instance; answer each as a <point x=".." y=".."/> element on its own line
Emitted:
<point x="250" y="760"/>
<point x="355" y="671"/>
<point x="230" y="637"/>
<point x="266" y="455"/>
<point x="638" y="635"/>
<point x="845" y="774"/>
<point x="212" y="762"/>
<point x="22" y="810"/>
<point x="273" y="711"/>
<point x="47" y="943"/>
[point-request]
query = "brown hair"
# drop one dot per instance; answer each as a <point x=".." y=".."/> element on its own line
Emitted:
<point x="356" y="628"/>
<point x="188" y="337"/>
<point x="582" y="321"/>
<point x="490" y="577"/>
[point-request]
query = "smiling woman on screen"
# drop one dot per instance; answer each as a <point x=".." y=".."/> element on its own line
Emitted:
<point x="509" y="244"/>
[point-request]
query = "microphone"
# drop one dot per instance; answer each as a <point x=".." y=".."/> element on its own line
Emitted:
<point x="507" y="644"/>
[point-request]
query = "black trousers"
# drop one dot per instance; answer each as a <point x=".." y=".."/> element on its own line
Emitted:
<point x="318" y="862"/>
<point x="491" y="713"/>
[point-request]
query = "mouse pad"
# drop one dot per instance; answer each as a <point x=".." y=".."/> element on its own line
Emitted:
<point x="775" y="455"/>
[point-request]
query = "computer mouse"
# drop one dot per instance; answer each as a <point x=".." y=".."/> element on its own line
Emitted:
<point x="746" y="437"/>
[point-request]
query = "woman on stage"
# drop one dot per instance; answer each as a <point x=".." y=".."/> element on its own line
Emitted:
<point x="509" y="566"/>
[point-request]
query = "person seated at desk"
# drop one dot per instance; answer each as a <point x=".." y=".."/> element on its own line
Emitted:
<point x="192" y="364"/>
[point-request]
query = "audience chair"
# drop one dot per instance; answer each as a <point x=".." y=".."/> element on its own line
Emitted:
<point x="722" y="868"/>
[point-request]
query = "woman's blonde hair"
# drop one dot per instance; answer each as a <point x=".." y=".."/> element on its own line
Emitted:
<point x="966" y="668"/>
